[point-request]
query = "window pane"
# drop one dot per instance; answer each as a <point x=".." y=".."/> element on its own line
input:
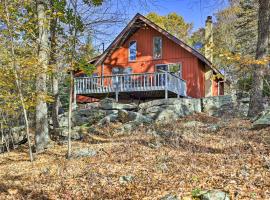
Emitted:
<point x="115" y="70"/>
<point x="157" y="47"/>
<point x="161" y="68"/>
<point x="174" y="68"/>
<point x="127" y="70"/>
<point x="132" y="50"/>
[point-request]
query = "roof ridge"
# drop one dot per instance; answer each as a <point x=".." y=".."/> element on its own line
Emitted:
<point x="162" y="31"/>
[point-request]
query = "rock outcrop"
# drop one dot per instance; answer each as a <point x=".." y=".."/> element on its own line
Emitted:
<point x="111" y="104"/>
<point x="262" y="120"/>
<point x="212" y="195"/>
<point x="131" y="115"/>
<point x="226" y="106"/>
<point x="12" y="139"/>
<point x="171" y="109"/>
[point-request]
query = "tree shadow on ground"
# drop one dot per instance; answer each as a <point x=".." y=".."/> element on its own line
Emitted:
<point x="12" y="160"/>
<point x="19" y="192"/>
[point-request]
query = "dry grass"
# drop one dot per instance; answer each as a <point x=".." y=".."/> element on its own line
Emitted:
<point x="234" y="159"/>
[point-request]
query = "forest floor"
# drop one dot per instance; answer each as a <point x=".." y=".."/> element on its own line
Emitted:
<point x="143" y="166"/>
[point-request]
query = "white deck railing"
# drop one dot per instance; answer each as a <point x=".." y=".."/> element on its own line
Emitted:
<point x="131" y="83"/>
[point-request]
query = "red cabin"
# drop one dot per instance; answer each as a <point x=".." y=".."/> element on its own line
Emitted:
<point x="147" y="62"/>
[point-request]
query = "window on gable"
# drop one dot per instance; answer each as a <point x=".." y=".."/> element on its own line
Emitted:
<point x="132" y="50"/>
<point x="157" y="47"/>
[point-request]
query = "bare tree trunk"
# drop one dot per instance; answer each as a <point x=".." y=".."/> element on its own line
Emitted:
<point x="70" y="114"/>
<point x="256" y="94"/>
<point x="55" y="74"/>
<point x="42" y="133"/>
<point x="17" y="80"/>
<point x="74" y="4"/>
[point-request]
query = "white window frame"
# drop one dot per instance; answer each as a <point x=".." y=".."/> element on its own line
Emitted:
<point x="161" y="48"/>
<point x="129" y="50"/>
<point x="177" y="63"/>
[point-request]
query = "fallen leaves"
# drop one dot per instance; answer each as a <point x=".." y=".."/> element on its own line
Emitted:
<point x="234" y="159"/>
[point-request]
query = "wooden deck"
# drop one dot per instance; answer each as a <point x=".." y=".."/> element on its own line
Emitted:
<point x="143" y="85"/>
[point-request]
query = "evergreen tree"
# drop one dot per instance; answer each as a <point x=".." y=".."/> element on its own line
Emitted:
<point x="246" y="27"/>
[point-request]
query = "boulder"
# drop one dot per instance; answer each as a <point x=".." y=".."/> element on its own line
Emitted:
<point x="2" y="147"/>
<point x="128" y="116"/>
<point x="19" y="135"/>
<point x="127" y="128"/>
<point x="111" y="104"/>
<point x="16" y="137"/>
<point x="218" y="105"/>
<point x="108" y="112"/>
<point x="92" y="105"/>
<point x="95" y="116"/>
<point x="170" y="197"/>
<point x="149" y="110"/>
<point x="108" y="119"/>
<point x="139" y="118"/>
<point x="245" y="100"/>
<point x="192" y="104"/>
<point x="123" y="116"/>
<point x="262" y="120"/>
<point x="87" y="116"/>
<point x="164" y="110"/>
<point x="126" y="179"/>
<point x="166" y="115"/>
<point x="227" y="106"/>
<point x="173" y="112"/>
<point x="76" y="133"/>
<point x="63" y="120"/>
<point x="83" y="153"/>
<point x="214" y="195"/>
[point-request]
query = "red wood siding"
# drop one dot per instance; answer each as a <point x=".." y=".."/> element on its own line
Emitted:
<point x="192" y="68"/>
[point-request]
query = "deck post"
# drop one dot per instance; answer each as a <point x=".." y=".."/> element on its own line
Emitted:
<point x="116" y="96"/>
<point x="166" y="85"/>
<point x="178" y="88"/>
<point x="74" y="95"/>
<point x="117" y="89"/>
<point x="162" y="82"/>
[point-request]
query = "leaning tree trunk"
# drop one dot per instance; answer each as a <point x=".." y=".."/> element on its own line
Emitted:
<point x="42" y="132"/>
<point x="55" y="73"/>
<point x="256" y="93"/>
<point x="17" y="80"/>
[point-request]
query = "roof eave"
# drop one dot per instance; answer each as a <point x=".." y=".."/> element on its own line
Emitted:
<point x="162" y="31"/>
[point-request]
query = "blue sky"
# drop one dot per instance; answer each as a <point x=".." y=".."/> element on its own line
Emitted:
<point x="193" y="11"/>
